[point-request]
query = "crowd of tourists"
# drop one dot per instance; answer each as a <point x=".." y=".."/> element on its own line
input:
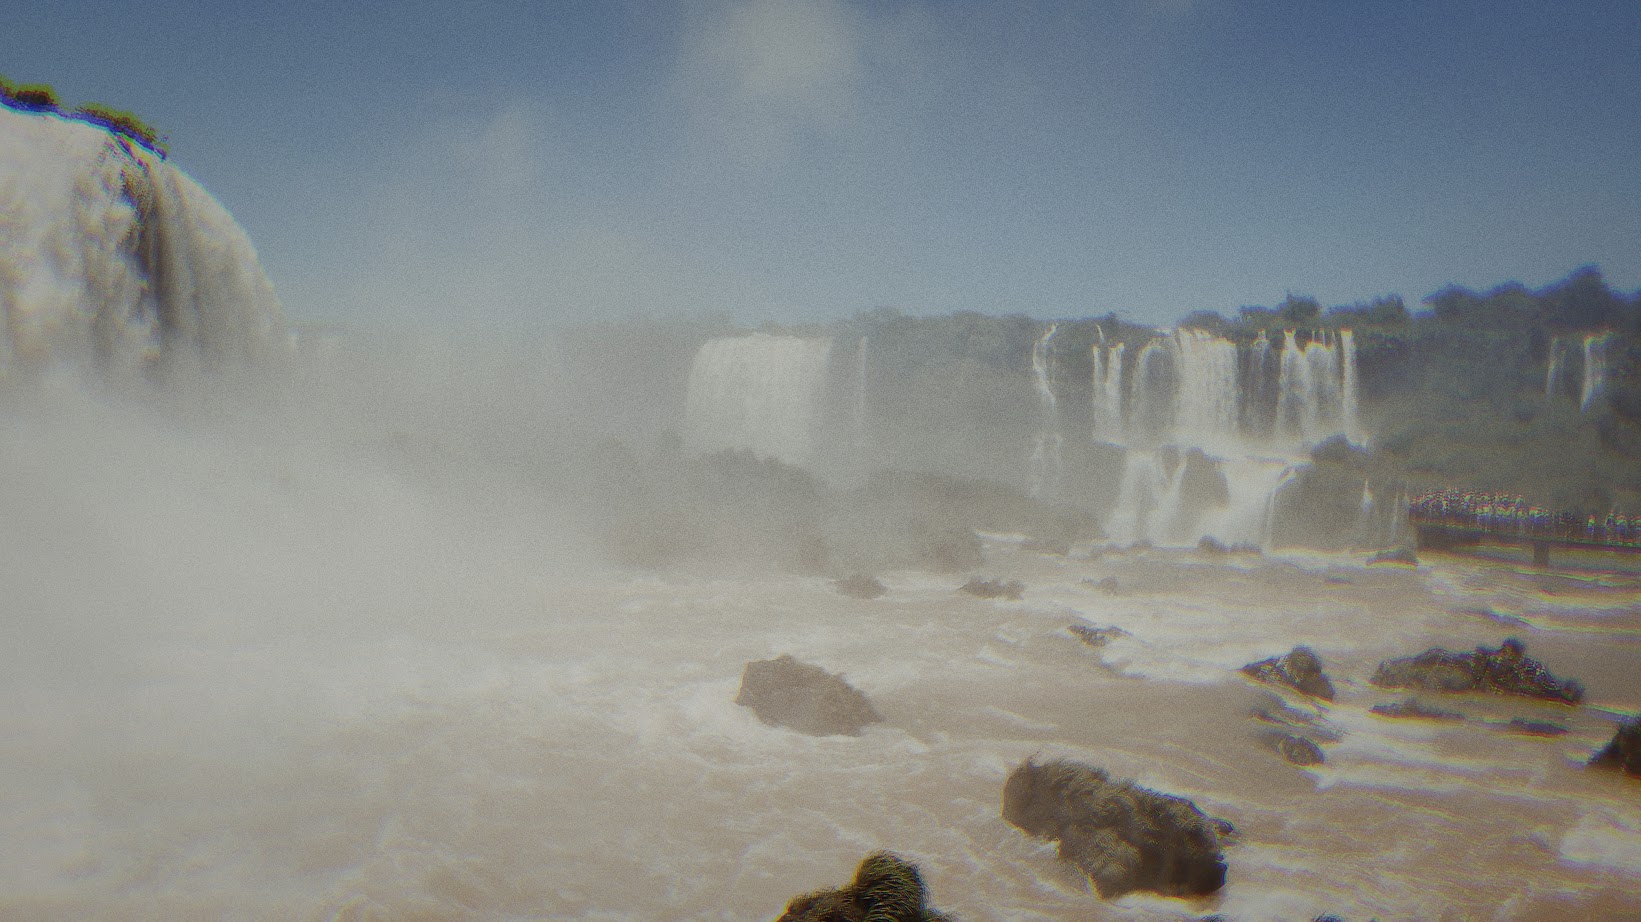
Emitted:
<point x="1499" y="512"/>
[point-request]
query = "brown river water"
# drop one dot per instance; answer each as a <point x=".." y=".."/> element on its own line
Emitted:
<point x="294" y="688"/>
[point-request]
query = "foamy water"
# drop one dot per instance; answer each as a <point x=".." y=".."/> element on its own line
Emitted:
<point x="307" y="688"/>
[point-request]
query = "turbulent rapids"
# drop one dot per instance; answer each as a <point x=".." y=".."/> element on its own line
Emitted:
<point x="423" y="631"/>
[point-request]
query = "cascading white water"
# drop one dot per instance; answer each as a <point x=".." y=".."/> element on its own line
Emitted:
<point x="1595" y="368"/>
<point x="1046" y="455"/>
<point x="1108" y="402"/>
<point x="1207" y="400"/>
<point x="761" y="393"/>
<point x="113" y="259"/>
<point x="1350" y="401"/>
<point x="1153" y="394"/>
<point x="1189" y="391"/>
<point x="1148" y="498"/>
<point x="1318" y="392"/>
<point x="1555" y="368"/>
<point x="1251" y="484"/>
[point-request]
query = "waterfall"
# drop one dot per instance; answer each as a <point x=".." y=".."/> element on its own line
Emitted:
<point x="1251" y="484"/>
<point x="1556" y="368"/>
<point x="858" y="420"/>
<point x="114" y="260"/>
<point x="1318" y="389"/>
<point x="1595" y="368"/>
<point x="1198" y="419"/>
<point x="1046" y="453"/>
<point x="1258" y="395"/>
<point x="761" y="393"/>
<point x="1207" y="409"/>
<point x="1350" y="398"/>
<point x="1148" y="498"/>
<point x="1153" y="393"/>
<point x="1108" y="402"/>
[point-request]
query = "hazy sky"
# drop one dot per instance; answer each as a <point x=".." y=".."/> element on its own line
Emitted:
<point x="517" y="164"/>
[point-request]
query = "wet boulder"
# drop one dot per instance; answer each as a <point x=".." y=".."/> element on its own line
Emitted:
<point x="1299" y="669"/>
<point x="1299" y="750"/>
<point x="1011" y="589"/>
<point x="886" y="888"/>
<point x="860" y="586"/>
<point x="784" y="692"/>
<point x="1507" y="670"/>
<point x="1124" y="837"/>
<point x="1096" y="636"/>
<point x="1624" y="752"/>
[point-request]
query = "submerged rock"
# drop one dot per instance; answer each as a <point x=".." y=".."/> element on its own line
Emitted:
<point x="1011" y="589"/>
<point x="1300" y="669"/>
<point x="1314" y="727"/>
<point x="861" y="586"/>
<point x="1124" y="837"/>
<point x="1535" y="727"/>
<point x="1413" y="708"/>
<point x="1107" y="585"/>
<point x="1624" y="751"/>
<point x="786" y="693"/>
<point x="1296" y="735"/>
<point x="1097" y="636"/>
<point x="886" y="888"/>
<point x="1506" y="671"/>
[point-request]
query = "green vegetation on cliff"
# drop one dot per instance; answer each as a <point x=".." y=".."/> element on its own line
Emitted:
<point x="40" y="97"/>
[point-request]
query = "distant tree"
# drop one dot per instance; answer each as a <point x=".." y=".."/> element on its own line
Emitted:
<point x="1255" y="317"/>
<point x="1299" y="310"/>
<point x="1581" y="301"/>
<point x="29" y="97"/>
<point x="1207" y="321"/>
<point x="1454" y="304"/>
<point x="1385" y="311"/>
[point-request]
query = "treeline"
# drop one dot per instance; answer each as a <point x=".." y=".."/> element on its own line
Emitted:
<point x="40" y="97"/>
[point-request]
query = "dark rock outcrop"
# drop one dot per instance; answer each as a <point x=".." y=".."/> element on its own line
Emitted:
<point x="1300" y="669"/>
<point x="1413" y="708"/>
<point x="861" y="586"/>
<point x="1506" y="671"/>
<point x="786" y="693"/>
<point x="1011" y="589"/>
<point x="1403" y="556"/>
<point x="1625" y="749"/>
<point x="1211" y="545"/>
<point x="1097" y="636"/>
<point x="1124" y="837"/>
<point x="886" y="888"/>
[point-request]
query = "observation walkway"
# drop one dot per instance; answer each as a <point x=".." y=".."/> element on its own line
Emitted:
<point x="1451" y="536"/>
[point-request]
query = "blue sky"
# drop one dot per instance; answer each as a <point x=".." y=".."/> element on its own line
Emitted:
<point x="520" y="165"/>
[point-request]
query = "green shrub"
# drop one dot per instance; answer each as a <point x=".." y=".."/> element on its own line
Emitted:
<point x="122" y="123"/>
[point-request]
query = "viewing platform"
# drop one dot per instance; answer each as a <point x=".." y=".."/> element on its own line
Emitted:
<point x="1449" y="536"/>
